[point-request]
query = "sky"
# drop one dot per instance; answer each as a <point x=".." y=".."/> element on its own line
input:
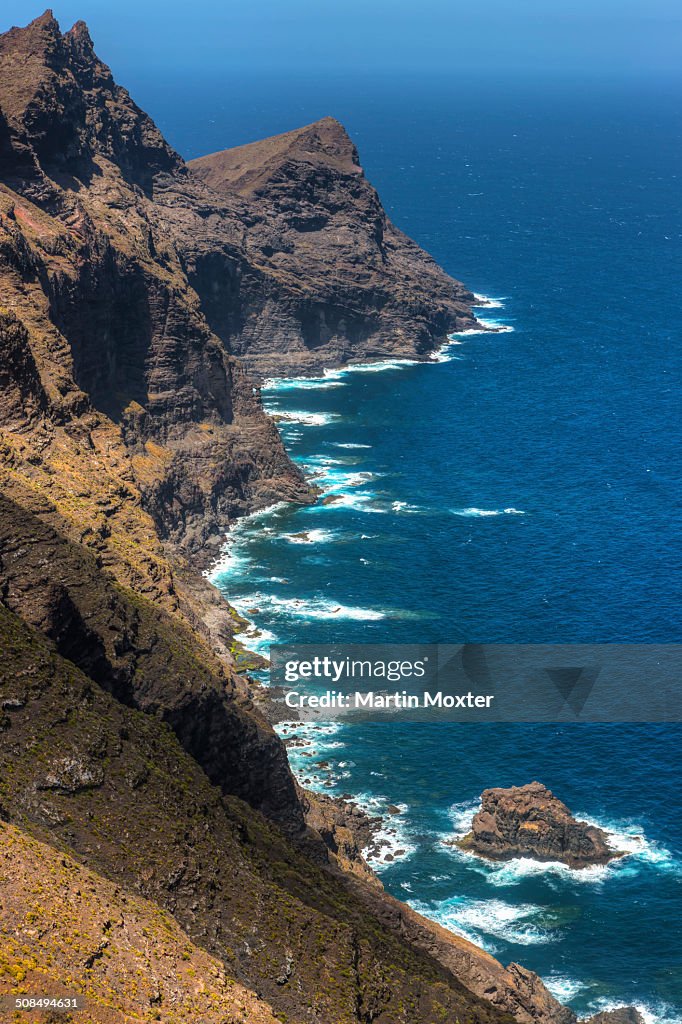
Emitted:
<point x="573" y="37"/>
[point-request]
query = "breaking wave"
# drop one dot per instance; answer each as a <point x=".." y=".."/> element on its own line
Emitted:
<point x="483" y="513"/>
<point x="487" y="922"/>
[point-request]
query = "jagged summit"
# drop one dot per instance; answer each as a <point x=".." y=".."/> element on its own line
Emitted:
<point x="286" y="243"/>
<point x="245" y="168"/>
<point x="60" y="101"/>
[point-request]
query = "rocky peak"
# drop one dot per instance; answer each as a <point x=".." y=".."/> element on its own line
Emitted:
<point x="357" y="287"/>
<point x="61" y="102"/>
<point x="79" y="34"/>
<point x="250" y="168"/>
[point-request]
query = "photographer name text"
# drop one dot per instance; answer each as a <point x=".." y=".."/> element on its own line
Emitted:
<point x="379" y="700"/>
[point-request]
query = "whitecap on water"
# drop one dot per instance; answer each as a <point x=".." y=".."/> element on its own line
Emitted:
<point x="484" y="921"/>
<point x="445" y="354"/>
<point x="391" y="842"/>
<point x="483" y="513"/>
<point x="275" y="384"/>
<point x="379" y="366"/>
<point x="338" y="479"/>
<point x="484" y="326"/>
<point x="306" y="419"/>
<point x="234" y="559"/>
<point x="489" y="302"/>
<point x="629" y="837"/>
<point x="309" y="608"/>
<point x="655" y="1013"/>
<point x="562" y="988"/>
<point x="310" y="537"/>
<point x="257" y="639"/>
<point x="360" y="501"/>
<point x="404" y="506"/>
<point x="350" y="444"/>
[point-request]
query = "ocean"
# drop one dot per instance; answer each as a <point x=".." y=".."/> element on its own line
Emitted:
<point x="523" y="487"/>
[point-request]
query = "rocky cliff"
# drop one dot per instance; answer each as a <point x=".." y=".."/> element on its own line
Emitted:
<point x="131" y="435"/>
<point x="345" y="283"/>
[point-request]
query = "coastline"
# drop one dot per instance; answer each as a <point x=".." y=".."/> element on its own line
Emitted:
<point x="522" y="491"/>
<point x="311" y="747"/>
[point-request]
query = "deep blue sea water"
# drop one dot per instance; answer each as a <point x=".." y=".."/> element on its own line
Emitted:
<point x="525" y="488"/>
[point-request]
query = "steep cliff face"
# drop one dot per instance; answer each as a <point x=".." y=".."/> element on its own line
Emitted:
<point x="90" y="268"/>
<point x="130" y="436"/>
<point x="343" y="283"/>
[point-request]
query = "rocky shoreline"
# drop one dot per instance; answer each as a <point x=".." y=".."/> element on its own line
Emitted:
<point x="143" y="298"/>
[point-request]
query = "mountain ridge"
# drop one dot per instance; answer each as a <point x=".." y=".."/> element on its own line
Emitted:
<point x="134" y="300"/>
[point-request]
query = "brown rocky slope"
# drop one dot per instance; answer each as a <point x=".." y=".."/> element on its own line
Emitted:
<point x="130" y="437"/>
<point x="112" y="786"/>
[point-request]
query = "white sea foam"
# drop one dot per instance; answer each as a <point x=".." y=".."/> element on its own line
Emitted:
<point x="445" y="354"/>
<point x="656" y="1013"/>
<point x="461" y="815"/>
<point x="629" y="837"/>
<point x="320" y="609"/>
<point x="306" y="419"/>
<point x="233" y="558"/>
<point x="562" y="988"/>
<point x="484" y="921"/>
<point x="314" y="742"/>
<point x="489" y="302"/>
<point x="310" y="537"/>
<point x="337" y="479"/>
<point x="312" y="739"/>
<point x="379" y="366"/>
<point x="482" y="513"/>
<point x="232" y="561"/>
<point x="256" y="639"/>
<point x="495" y="326"/>
<point x="485" y="325"/>
<point x="274" y="384"/>
<point x="358" y="500"/>
<point x="308" y="730"/>
<point x="350" y="444"/>
<point x="334" y="481"/>
<point x="310" y="608"/>
<point x="315" y="462"/>
<point x="404" y="506"/>
<point x="391" y="842"/>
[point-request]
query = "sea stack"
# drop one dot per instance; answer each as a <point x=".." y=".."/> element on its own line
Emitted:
<point x="620" y="1015"/>
<point x="529" y="821"/>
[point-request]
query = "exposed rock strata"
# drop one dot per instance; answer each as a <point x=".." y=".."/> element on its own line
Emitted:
<point x="94" y="206"/>
<point x="130" y="436"/>
<point x="343" y="282"/>
<point x="621" y="1015"/>
<point x="529" y="821"/>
